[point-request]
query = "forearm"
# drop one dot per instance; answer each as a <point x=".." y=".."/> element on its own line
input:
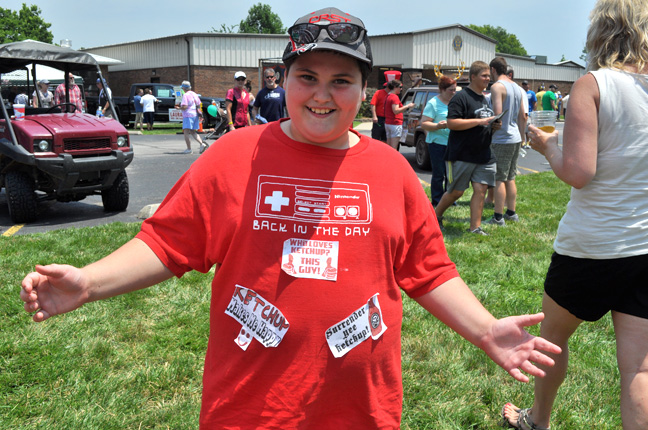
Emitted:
<point x="132" y="267"/>
<point x="454" y="304"/>
<point x="230" y="118"/>
<point x="460" y="124"/>
<point x="401" y="109"/>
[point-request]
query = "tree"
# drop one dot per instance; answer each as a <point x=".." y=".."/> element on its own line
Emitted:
<point x="224" y="29"/>
<point x="583" y="55"/>
<point x="262" y="20"/>
<point x="563" y="58"/>
<point x="24" y="24"/>
<point x="505" y="43"/>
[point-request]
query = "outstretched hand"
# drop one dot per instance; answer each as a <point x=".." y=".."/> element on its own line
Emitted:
<point x="515" y="350"/>
<point x="52" y="290"/>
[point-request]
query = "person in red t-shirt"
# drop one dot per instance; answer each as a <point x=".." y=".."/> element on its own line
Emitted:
<point x="394" y="113"/>
<point x="378" y="114"/>
<point x="292" y="213"/>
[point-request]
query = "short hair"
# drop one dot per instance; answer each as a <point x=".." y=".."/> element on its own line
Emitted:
<point x="510" y="71"/>
<point x="185" y="84"/>
<point x="446" y="82"/>
<point x="269" y="69"/>
<point x="476" y="68"/>
<point x="618" y="34"/>
<point x="395" y="83"/>
<point x="499" y="64"/>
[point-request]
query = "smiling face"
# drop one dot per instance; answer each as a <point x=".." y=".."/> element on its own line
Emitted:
<point x="479" y="82"/>
<point x="323" y="95"/>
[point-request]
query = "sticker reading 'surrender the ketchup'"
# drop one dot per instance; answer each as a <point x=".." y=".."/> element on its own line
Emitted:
<point x="364" y="323"/>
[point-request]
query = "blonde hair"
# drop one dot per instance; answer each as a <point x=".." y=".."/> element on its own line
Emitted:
<point x="618" y="34"/>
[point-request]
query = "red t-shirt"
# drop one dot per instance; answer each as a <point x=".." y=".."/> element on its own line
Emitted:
<point x="242" y="101"/>
<point x="390" y="117"/>
<point x="378" y="100"/>
<point x="304" y="238"/>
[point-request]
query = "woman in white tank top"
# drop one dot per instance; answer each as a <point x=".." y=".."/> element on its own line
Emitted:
<point x="601" y="248"/>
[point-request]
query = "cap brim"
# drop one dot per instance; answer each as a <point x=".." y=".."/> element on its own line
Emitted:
<point x="325" y="46"/>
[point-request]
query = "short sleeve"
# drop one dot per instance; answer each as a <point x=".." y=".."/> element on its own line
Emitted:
<point x="430" y="109"/>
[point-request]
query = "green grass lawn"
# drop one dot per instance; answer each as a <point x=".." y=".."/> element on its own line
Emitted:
<point x="135" y="361"/>
<point x="162" y="128"/>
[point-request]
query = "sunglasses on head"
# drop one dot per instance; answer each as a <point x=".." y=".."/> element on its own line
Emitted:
<point x="339" y="32"/>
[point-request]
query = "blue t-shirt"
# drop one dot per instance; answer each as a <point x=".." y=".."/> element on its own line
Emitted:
<point x="438" y="111"/>
<point x="532" y="99"/>
<point x="138" y="105"/>
<point x="271" y="102"/>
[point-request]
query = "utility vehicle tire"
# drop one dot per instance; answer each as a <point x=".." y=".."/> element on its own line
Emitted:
<point x="21" y="197"/>
<point x="115" y="198"/>
<point x="422" y="153"/>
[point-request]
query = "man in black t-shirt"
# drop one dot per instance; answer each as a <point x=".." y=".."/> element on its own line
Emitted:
<point x="270" y="102"/>
<point x="469" y="158"/>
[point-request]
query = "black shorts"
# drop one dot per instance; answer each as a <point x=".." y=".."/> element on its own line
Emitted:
<point x="378" y="131"/>
<point x="149" y="117"/>
<point x="590" y="288"/>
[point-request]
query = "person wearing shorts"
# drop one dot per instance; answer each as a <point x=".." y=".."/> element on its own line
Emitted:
<point x="469" y="158"/>
<point x="148" y="106"/>
<point x="506" y="99"/>
<point x="191" y="117"/>
<point x="394" y="113"/>
<point x="601" y="247"/>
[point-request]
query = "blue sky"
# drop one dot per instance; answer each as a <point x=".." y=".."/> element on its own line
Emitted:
<point x="546" y="27"/>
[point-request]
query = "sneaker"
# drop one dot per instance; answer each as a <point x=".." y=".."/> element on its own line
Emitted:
<point x="494" y="221"/>
<point x="512" y="218"/>
<point x="203" y="147"/>
<point x="187" y="151"/>
<point x="478" y="230"/>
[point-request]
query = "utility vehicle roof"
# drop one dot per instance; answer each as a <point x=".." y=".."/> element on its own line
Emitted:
<point x="16" y="55"/>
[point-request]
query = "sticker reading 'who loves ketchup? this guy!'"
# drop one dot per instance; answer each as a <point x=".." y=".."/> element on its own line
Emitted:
<point x="314" y="259"/>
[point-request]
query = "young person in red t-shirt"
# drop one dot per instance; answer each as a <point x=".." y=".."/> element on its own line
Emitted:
<point x="394" y="113"/>
<point x="312" y="246"/>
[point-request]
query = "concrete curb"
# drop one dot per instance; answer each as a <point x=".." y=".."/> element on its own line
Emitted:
<point x="364" y="126"/>
<point x="147" y="211"/>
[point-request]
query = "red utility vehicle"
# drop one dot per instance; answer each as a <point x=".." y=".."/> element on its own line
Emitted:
<point x="58" y="153"/>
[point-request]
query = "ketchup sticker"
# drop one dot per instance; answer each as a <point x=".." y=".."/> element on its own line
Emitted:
<point x="259" y="318"/>
<point x="314" y="259"/>
<point x="366" y="322"/>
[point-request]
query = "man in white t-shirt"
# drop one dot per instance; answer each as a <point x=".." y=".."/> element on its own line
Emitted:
<point x="148" y="104"/>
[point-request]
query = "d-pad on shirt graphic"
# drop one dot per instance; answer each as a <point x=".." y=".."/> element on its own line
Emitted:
<point x="313" y="200"/>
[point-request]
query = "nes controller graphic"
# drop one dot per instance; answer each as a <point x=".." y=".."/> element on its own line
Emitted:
<point x="313" y="200"/>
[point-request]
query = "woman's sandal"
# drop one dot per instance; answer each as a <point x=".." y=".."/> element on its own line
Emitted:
<point x="524" y="421"/>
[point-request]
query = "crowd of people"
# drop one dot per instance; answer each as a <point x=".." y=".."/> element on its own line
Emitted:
<point x="310" y="338"/>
